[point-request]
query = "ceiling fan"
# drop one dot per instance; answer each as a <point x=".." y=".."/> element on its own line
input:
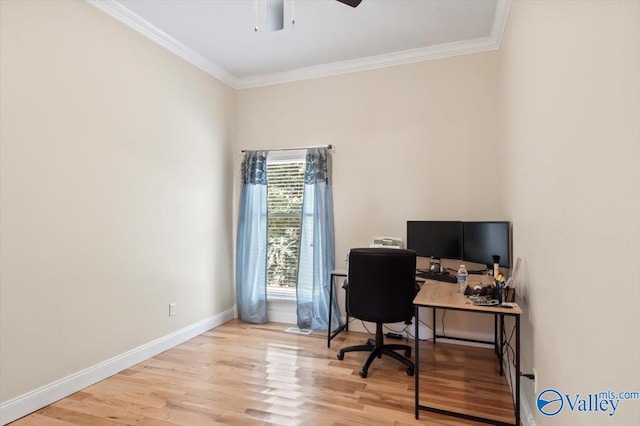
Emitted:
<point x="352" y="3"/>
<point x="275" y="13"/>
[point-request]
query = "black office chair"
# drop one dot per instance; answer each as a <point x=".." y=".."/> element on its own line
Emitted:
<point x="380" y="288"/>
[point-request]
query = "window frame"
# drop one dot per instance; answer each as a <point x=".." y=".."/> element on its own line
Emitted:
<point x="275" y="157"/>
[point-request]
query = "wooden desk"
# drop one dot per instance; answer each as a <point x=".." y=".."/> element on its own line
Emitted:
<point x="440" y="295"/>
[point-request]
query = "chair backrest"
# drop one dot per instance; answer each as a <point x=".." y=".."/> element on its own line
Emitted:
<point x="382" y="284"/>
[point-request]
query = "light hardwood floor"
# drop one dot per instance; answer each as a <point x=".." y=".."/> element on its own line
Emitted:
<point x="245" y="374"/>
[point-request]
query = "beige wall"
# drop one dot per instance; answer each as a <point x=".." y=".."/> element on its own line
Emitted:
<point x="570" y="101"/>
<point x="413" y="142"/>
<point x="116" y="177"/>
<point x="117" y="166"/>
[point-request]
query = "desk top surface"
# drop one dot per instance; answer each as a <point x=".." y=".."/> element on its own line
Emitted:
<point x="440" y="294"/>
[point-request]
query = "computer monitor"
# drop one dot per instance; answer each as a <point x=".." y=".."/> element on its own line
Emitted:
<point x="483" y="240"/>
<point x="439" y="239"/>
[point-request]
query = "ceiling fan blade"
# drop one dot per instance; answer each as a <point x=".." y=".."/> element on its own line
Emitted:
<point x="352" y="3"/>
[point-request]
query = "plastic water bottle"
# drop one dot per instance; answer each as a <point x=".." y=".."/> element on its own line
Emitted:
<point x="462" y="279"/>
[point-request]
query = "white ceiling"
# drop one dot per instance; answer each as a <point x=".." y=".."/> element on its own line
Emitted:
<point x="328" y="37"/>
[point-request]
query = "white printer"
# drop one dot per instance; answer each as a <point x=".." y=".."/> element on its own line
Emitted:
<point x="387" y="242"/>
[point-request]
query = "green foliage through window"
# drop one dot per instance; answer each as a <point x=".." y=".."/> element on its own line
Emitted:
<point x="285" y="182"/>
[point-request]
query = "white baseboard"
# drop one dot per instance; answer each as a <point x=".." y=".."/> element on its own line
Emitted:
<point x="282" y="310"/>
<point x="48" y="394"/>
<point x="526" y="415"/>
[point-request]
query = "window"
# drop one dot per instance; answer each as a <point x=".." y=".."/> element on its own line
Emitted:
<point x="285" y="180"/>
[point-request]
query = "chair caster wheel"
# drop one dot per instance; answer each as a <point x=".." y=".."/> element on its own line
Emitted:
<point x="410" y="371"/>
<point x="363" y="374"/>
<point x="340" y="356"/>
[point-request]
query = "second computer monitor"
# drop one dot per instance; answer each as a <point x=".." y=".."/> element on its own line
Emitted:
<point x="440" y="239"/>
<point x="483" y="240"/>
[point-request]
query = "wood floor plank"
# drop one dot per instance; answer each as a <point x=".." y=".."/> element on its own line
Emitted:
<point x="37" y="419"/>
<point x="247" y="374"/>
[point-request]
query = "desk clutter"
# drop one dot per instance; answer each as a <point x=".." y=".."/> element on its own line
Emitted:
<point x="491" y="296"/>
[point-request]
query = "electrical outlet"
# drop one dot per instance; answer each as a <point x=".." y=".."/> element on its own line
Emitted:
<point x="172" y="309"/>
<point x="535" y="381"/>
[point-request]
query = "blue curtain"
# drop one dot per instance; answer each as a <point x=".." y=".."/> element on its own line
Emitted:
<point x="251" y="251"/>
<point x="317" y="245"/>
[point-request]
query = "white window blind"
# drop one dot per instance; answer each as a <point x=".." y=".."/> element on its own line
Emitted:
<point x="285" y="184"/>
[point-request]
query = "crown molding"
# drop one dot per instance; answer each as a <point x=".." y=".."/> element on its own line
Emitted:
<point x="135" y="22"/>
<point x="500" y="21"/>
<point x="371" y="62"/>
<point x="482" y="44"/>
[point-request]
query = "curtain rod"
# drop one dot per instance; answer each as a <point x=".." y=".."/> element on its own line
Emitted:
<point x="291" y="149"/>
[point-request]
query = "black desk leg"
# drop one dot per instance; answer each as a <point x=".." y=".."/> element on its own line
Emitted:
<point x="517" y="370"/>
<point x="416" y="359"/>
<point x="330" y="305"/>
<point x="501" y="349"/>
<point x="495" y="335"/>
<point x="434" y="325"/>
<point x="346" y="312"/>
<point x="333" y="333"/>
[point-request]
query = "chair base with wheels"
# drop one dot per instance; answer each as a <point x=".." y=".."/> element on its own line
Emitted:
<point x="377" y="349"/>
<point x="381" y="286"/>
